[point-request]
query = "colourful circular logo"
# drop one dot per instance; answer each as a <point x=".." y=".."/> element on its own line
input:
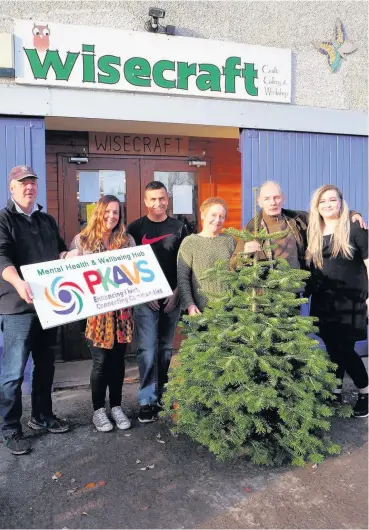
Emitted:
<point x="64" y="296"/>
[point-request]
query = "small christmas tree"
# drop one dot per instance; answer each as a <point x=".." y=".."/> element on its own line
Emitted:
<point x="250" y="380"/>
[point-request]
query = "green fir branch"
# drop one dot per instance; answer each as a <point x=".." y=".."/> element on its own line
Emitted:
<point x="254" y="382"/>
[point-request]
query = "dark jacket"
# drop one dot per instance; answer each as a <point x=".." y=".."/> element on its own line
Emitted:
<point x="24" y="240"/>
<point x="297" y="222"/>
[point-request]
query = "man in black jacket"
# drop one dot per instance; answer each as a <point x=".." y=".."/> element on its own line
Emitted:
<point x="27" y="235"/>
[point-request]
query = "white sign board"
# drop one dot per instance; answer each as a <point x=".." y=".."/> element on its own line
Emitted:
<point x="182" y="199"/>
<point x="89" y="186"/>
<point x="50" y="54"/>
<point x="114" y="183"/>
<point x="73" y="289"/>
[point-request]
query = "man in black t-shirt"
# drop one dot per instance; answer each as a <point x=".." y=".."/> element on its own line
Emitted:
<point x="156" y="321"/>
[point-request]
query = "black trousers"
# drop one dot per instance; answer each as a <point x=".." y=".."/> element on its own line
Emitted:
<point x="341" y="350"/>
<point x="108" y="368"/>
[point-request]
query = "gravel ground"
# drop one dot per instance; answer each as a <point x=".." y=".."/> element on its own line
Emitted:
<point x="186" y="488"/>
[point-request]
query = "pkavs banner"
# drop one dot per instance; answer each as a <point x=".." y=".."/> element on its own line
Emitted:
<point x="73" y="289"/>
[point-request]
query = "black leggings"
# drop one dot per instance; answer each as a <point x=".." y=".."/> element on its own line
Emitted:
<point x="341" y="351"/>
<point x="108" y="370"/>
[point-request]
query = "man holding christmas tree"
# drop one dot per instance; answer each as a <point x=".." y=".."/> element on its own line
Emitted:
<point x="274" y="218"/>
<point x="156" y="321"/>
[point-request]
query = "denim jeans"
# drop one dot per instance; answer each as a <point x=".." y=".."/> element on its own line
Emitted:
<point x="23" y="334"/>
<point x="107" y="372"/>
<point x="154" y="333"/>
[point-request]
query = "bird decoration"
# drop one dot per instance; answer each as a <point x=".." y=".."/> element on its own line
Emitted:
<point x="41" y="37"/>
<point x="337" y="49"/>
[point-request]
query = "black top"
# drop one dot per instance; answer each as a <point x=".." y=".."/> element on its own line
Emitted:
<point x="24" y="240"/>
<point x="340" y="289"/>
<point x="165" y="238"/>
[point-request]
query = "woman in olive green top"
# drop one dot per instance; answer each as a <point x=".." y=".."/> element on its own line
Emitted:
<point x="199" y="252"/>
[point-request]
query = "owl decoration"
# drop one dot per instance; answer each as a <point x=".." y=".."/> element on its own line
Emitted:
<point x="337" y="49"/>
<point x="41" y="37"/>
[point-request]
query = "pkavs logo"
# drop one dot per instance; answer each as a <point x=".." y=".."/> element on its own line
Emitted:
<point x="64" y="296"/>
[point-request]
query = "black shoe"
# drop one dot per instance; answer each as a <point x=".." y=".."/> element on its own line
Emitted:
<point x="158" y="407"/>
<point x="52" y="424"/>
<point x="361" y="407"/>
<point x="146" y="414"/>
<point x="16" y="444"/>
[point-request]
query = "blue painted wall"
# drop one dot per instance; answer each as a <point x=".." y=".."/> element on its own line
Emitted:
<point x="22" y="141"/>
<point x="301" y="162"/>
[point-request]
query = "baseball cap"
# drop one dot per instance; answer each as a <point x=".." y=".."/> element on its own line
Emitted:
<point x="21" y="172"/>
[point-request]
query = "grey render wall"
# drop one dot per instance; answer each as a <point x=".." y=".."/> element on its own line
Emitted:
<point x="283" y="24"/>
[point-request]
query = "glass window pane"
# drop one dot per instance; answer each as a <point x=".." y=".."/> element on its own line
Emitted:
<point x="91" y="185"/>
<point x="183" y="185"/>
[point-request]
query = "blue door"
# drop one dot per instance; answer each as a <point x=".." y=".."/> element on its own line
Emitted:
<point x="22" y="142"/>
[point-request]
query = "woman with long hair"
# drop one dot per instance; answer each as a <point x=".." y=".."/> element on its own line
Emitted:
<point x="199" y="252"/>
<point x="338" y="257"/>
<point x="107" y="334"/>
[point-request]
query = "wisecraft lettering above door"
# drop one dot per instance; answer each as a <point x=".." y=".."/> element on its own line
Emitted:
<point x="133" y="144"/>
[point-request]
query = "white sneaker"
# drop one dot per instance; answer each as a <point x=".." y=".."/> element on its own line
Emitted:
<point x="101" y="421"/>
<point x="121" y="420"/>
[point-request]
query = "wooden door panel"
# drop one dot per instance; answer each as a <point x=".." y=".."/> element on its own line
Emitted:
<point x="73" y="339"/>
<point x="139" y="172"/>
<point x="201" y="179"/>
<point x="69" y="199"/>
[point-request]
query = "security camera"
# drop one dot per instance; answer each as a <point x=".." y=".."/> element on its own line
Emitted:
<point x="152" y="25"/>
<point x="156" y="12"/>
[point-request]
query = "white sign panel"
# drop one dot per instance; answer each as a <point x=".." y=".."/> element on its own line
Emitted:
<point x="49" y="54"/>
<point x="114" y="183"/>
<point x="73" y="289"/>
<point x="89" y="186"/>
<point x="182" y="199"/>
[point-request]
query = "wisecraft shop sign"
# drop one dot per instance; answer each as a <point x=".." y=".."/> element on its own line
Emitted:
<point x="73" y="289"/>
<point x="85" y="57"/>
